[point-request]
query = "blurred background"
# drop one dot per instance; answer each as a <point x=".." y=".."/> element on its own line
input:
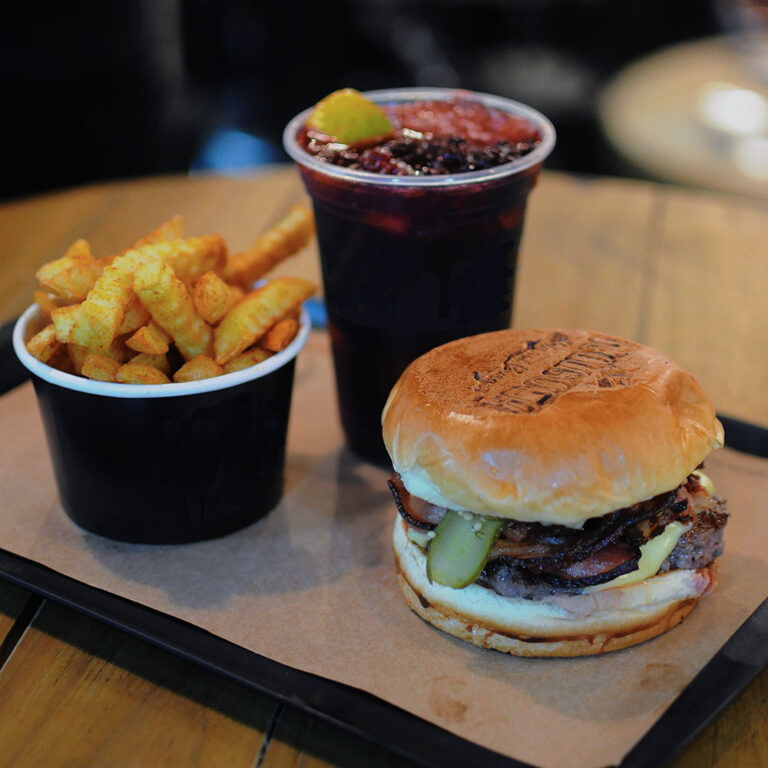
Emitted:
<point x="103" y="90"/>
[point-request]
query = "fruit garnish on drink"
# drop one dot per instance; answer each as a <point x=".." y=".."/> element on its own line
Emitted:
<point x="347" y="117"/>
<point x="424" y="137"/>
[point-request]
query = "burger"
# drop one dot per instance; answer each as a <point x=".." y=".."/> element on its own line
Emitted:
<point x="550" y="491"/>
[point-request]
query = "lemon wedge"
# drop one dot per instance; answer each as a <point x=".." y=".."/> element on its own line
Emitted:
<point x="349" y="117"/>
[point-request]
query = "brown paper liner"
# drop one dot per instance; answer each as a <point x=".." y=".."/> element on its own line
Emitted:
<point x="313" y="586"/>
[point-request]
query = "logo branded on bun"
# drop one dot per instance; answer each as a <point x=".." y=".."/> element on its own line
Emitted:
<point x="550" y="493"/>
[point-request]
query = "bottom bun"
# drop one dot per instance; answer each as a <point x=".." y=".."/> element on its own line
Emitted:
<point x="568" y="625"/>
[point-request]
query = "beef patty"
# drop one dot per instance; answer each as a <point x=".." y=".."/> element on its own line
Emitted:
<point x="531" y="560"/>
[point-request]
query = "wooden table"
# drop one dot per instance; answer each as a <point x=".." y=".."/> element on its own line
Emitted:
<point x="684" y="271"/>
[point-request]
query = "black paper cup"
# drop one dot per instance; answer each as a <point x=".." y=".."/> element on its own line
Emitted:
<point x="165" y="463"/>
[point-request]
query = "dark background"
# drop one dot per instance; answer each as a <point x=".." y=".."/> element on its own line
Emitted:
<point x="102" y="90"/>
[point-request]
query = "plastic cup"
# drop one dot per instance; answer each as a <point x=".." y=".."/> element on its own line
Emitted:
<point x="412" y="262"/>
<point x="166" y="463"/>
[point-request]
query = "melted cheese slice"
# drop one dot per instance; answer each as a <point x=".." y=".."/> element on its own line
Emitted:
<point x="705" y="480"/>
<point x="652" y="554"/>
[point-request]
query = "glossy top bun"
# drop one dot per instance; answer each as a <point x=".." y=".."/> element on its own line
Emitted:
<point x="546" y="426"/>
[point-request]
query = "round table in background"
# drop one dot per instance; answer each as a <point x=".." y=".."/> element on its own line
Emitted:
<point x="665" y="115"/>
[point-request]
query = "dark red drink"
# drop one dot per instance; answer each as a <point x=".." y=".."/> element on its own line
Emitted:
<point x="414" y="260"/>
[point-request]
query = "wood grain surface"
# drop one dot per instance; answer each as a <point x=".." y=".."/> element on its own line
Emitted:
<point x="78" y="692"/>
<point x="302" y="740"/>
<point x="14" y="604"/>
<point x="684" y="271"/>
<point x="681" y="270"/>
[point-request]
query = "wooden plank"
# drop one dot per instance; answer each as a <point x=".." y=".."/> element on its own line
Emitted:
<point x="78" y="690"/>
<point x="13" y="600"/>
<point x="307" y="742"/>
<point x="737" y="738"/>
<point x="306" y="263"/>
<point x="38" y="230"/>
<point x="708" y="308"/>
<point x="237" y="208"/>
<point x="583" y="260"/>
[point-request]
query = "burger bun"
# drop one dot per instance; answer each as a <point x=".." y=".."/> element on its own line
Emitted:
<point x="563" y="625"/>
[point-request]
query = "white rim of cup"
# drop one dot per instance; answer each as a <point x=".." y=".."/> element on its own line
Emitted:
<point x="143" y="391"/>
<point x="510" y="106"/>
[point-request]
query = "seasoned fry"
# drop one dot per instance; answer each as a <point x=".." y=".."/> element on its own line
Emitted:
<point x="46" y="304"/>
<point x="200" y="367"/>
<point x="64" y="319"/>
<point x="62" y="361"/>
<point x="238" y="294"/>
<point x="136" y="315"/>
<point x="169" y="303"/>
<point x="193" y="257"/>
<point x="249" y="320"/>
<point x="160" y="362"/>
<point x="73" y="275"/>
<point x="280" y="335"/>
<point x="213" y="298"/>
<point x="99" y="367"/>
<point x="138" y="373"/>
<point x="150" y="339"/>
<point x="103" y="311"/>
<point x="116" y="351"/>
<point x="133" y="317"/>
<point x="284" y="239"/>
<point x="173" y="229"/>
<point x="77" y="355"/>
<point x="246" y="359"/>
<point x="44" y="345"/>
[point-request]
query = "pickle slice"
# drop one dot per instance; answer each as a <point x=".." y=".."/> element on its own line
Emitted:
<point x="349" y="117"/>
<point x="460" y="548"/>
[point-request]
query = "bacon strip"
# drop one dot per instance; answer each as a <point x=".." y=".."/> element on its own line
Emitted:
<point x="415" y="511"/>
<point x="553" y="549"/>
<point x="602" y="549"/>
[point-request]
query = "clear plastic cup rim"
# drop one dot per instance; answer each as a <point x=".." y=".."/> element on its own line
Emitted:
<point x="536" y="156"/>
<point x="144" y="391"/>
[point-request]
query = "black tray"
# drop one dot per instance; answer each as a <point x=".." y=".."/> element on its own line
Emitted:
<point x="729" y="671"/>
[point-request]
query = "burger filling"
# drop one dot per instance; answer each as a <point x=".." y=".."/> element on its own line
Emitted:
<point x="681" y="529"/>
